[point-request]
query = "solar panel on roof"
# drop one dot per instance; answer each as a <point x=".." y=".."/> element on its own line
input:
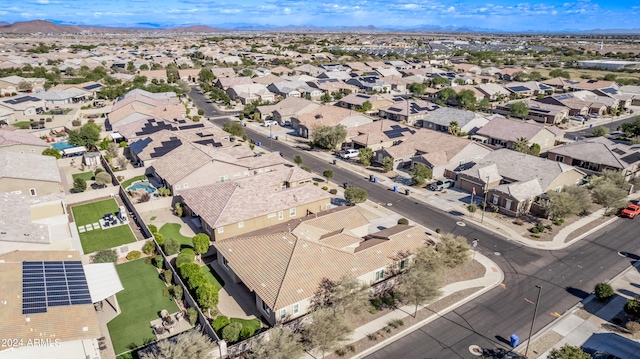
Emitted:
<point x="632" y="158"/>
<point x="544" y="87"/>
<point x="363" y="96"/>
<point x="610" y="90"/>
<point x="52" y="284"/>
<point x="189" y="127"/>
<point x="618" y="151"/>
<point x="519" y="88"/>
<point x="91" y="87"/>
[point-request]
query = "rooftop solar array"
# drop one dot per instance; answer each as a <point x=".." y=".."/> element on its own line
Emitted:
<point x="563" y="97"/>
<point x="632" y="158"/>
<point x="618" y="151"/>
<point x="53" y="284"/>
<point x="544" y="87"/>
<point x="91" y="87"/>
<point x="610" y="90"/>
<point x="519" y="88"/>
<point x="22" y="99"/>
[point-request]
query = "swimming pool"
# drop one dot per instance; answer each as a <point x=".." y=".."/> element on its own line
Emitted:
<point x="62" y="145"/>
<point x="140" y="185"/>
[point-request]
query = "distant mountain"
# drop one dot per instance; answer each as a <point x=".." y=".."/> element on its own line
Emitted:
<point x="48" y="27"/>
<point x="3" y="23"/>
<point x="195" y="28"/>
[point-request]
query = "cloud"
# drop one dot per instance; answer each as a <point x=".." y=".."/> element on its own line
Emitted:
<point x="287" y="10"/>
<point x="42" y="1"/>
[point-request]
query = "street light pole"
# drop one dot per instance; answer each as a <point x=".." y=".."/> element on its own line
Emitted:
<point x="484" y="204"/>
<point x="535" y="311"/>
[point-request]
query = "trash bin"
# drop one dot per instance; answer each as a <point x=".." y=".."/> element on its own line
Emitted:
<point x="275" y="138"/>
<point x="370" y="178"/>
<point x="395" y="189"/>
<point x="344" y="185"/>
<point x="407" y="191"/>
<point x="335" y="162"/>
<point x="259" y="143"/>
<point x="375" y="179"/>
<point x="515" y="340"/>
<point x="575" y="138"/>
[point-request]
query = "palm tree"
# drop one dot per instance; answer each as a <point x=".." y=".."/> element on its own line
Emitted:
<point x="454" y="128"/>
<point x="521" y="145"/>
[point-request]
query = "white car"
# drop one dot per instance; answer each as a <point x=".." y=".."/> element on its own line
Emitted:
<point x="268" y="123"/>
<point x="350" y="153"/>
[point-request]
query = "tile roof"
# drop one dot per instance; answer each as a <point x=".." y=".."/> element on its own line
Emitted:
<point x="225" y="203"/>
<point x="510" y="130"/>
<point x="30" y="219"/>
<point x="11" y="138"/>
<point x="29" y="167"/>
<point x="289" y="106"/>
<point x="66" y="323"/>
<point x="443" y="116"/>
<point x="284" y="269"/>
<point x="324" y="116"/>
<point x="430" y="142"/>
<point x="602" y="151"/>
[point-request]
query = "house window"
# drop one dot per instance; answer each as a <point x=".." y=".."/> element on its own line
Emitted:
<point x="220" y="229"/>
<point x="379" y="275"/>
<point x="296" y="308"/>
<point x="507" y="204"/>
<point x="207" y="228"/>
<point x="224" y="178"/>
<point x="283" y="314"/>
<point x="240" y="224"/>
<point x="32" y="191"/>
<point x="225" y="262"/>
<point x="271" y="215"/>
<point x="283" y="185"/>
<point x="404" y="263"/>
<point x="280" y="215"/>
<point x="496" y="199"/>
<point x="292" y="212"/>
<point x="559" y="158"/>
<point x="265" y="308"/>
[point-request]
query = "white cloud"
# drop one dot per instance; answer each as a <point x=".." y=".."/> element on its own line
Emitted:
<point x="230" y="11"/>
<point x="411" y="6"/>
<point x="42" y="1"/>
<point x="451" y="9"/>
<point x="287" y="10"/>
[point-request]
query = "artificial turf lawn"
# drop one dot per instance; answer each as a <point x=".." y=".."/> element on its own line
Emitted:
<point x="212" y="276"/>
<point x="141" y="302"/>
<point x="172" y="230"/>
<point x="87" y="176"/>
<point x="98" y="239"/>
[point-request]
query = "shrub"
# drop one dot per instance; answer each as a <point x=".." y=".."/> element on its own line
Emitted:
<point x="133" y="255"/>
<point x="558" y="221"/>
<point x="158" y="260"/>
<point x="333" y="191"/>
<point x="519" y="222"/>
<point x="167" y="274"/>
<point x="341" y="352"/>
<point x="79" y="185"/>
<point x="52" y="152"/>
<point x="220" y="322"/>
<point x="472" y="208"/>
<point x="373" y="310"/>
<point x="376" y="302"/>
<point x="152" y="228"/>
<point x="247" y="332"/>
<point x="105" y="256"/>
<point x="315" y="184"/>
<point x="171" y="246"/>
<point x="176" y="292"/>
<point x="324" y="188"/>
<point x="159" y="237"/>
<point x="144" y="197"/>
<point x="604" y="291"/>
<point x="535" y="235"/>
<point x="306" y="168"/>
<point x="388" y="301"/>
<point x="149" y="248"/>
<point x="123" y="144"/>
<point x="76" y="123"/>
<point x="403" y="221"/>
<point x="178" y="209"/>
<point x="231" y="332"/>
<point x="438" y="230"/>
<point x="633" y="327"/>
<point x="186" y="255"/>
<point x="192" y="315"/>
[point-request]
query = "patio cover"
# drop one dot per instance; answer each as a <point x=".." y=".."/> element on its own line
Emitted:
<point x="103" y="280"/>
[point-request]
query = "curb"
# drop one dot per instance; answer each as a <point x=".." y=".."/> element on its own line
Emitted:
<point x="429" y="319"/>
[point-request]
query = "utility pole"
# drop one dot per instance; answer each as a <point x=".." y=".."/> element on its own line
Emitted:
<point x="484" y="204"/>
<point x="535" y="311"/>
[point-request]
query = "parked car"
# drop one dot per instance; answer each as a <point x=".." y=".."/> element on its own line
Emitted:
<point x="285" y="123"/>
<point x="442" y="184"/>
<point x="631" y="211"/>
<point x="349" y="153"/>
<point x="268" y="123"/>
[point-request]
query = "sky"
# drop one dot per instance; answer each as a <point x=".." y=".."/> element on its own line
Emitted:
<point x="547" y="15"/>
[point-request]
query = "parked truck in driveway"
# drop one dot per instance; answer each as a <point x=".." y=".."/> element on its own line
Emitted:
<point x="349" y="153"/>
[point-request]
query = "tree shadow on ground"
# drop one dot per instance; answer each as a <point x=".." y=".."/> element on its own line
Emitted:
<point x="577" y="292"/>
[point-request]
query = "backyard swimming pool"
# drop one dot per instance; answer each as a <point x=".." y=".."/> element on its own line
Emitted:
<point x="142" y="185"/>
<point x="62" y="145"/>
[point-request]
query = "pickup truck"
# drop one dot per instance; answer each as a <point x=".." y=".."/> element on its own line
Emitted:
<point x="349" y="153"/>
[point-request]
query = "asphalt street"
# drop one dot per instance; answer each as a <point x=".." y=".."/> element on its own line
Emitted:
<point x="586" y="132"/>
<point x="566" y="276"/>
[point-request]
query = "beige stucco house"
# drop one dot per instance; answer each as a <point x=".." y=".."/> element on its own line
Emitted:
<point x="29" y="174"/>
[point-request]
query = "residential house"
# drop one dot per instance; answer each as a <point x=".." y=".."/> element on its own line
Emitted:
<point x="190" y="76"/>
<point x="88" y="89"/>
<point x="225" y="83"/>
<point x="399" y="83"/>
<point x="267" y="80"/>
<point x="493" y="92"/>
<point x="158" y="75"/>
<point x="309" y="70"/>
<point x="29" y="174"/>
<point x="250" y="93"/>
<point x="355" y="101"/>
<point x="21" y="142"/>
<point x="528" y="89"/>
<point x="11" y="84"/>
<point x="594" y="155"/>
<point x="338" y="75"/>
<point x="294" y="89"/>
<point x="23" y="105"/>
<point x="284" y="267"/>
<point x="441" y="152"/>
<point x="388" y="72"/>
<point x="223" y="72"/>
<point x="502" y="132"/>
<point x="326" y="115"/>
<point x="34" y="314"/>
<point x="358" y="66"/>
<point x="515" y="182"/>
<point x="580" y="102"/>
<point x="538" y="111"/>
<point x="194" y="165"/>
<point x="409" y="111"/>
<point x="139" y="107"/>
<point x="237" y="207"/>
<point x="379" y="134"/>
<point x="332" y="85"/>
<point x="467" y="68"/>
<point x="6" y="116"/>
<point x="285" y="109"/>
<point x="560" y="84"/>
<point x="370" y="84"/>
<point x="440" y="120"/>
<point x="281" y="70"/>
<point x="507" y="74"/>
<point x="633" y="92"/>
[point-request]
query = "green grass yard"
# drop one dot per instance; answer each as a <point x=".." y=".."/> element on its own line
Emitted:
<point x="87" y="176"/>
<point x="98" y="239"/>
<point x="212" y="276"/>
<point x="141" y="302"/>
<point x="251" y="323"/>
<point x="128" y="182"/>
<point x="172" y="230"/>
<point x="22" y="124"/>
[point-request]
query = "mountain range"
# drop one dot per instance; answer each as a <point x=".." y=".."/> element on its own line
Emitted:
<point x="57" y="27"/>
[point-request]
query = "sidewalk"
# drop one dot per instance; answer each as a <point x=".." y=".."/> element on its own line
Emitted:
<point x="590" y="324"/>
